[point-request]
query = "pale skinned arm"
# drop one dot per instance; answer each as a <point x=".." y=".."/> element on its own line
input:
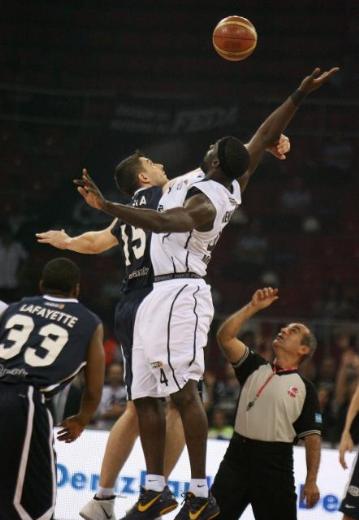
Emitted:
<point x="346" y="441"/>
<point x="231" y="346"/>
<point x="91" y="242"/>
<point x="73" y="426"/>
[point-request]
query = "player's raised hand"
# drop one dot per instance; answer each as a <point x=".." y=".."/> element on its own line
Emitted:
<point x="56" y="238"/>
<point x="263" y="298"/>
<point x="346" y="444"/>
<point x="280" y="148"/>
<point x="89" y="190"/>
<point x="317" y="79"/>
<point x="72" y="427"/>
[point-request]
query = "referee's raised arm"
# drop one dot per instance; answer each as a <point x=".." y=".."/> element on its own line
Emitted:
<point x="227" y="333"/>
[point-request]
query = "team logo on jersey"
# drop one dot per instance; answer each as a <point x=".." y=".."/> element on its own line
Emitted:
<point x="157" y="364"/>
<point x="353" y="491"/>
<point x="16" y="372"/>
<point x="292" y="391"/>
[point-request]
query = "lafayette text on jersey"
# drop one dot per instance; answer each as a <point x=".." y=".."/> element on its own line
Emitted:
<point x="135" y="242"/>
<point x="44" y="341"/>
<point x="191" y="252"/>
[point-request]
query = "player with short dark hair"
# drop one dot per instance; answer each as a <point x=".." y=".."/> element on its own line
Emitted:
<point x="127" y="173"/>
<point x="276" y="407"/>
<point x="44" y="342"/>
<point x="173" y="321"/>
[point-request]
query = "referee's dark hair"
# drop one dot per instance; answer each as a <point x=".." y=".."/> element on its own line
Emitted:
<point x="126" y="173"/>
<point x="309" y="340"/>
<point x="60" y="275"/>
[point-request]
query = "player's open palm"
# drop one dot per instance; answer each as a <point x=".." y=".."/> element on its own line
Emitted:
<point x="262" y="298"/>
<point x="346" y="444"/>
<point x="89" y="190"/>
<point x="317" y="79"/>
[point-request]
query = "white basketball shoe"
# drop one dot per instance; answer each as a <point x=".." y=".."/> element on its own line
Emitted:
<point x="99" y="509"/>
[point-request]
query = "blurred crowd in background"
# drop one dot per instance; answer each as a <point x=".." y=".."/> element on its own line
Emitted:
<point x="83" y="90"/>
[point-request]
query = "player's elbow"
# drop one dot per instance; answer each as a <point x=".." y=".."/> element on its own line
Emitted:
<point x="222" y="340"/>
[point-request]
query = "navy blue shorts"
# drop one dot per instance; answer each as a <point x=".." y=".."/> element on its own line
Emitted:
<point x="125" y="316"/>
<point x="27" y="469"/>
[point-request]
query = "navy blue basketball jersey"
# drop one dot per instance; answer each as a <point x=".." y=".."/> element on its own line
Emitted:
<point x="44" y="341"/>
<point x="135" y="242"/>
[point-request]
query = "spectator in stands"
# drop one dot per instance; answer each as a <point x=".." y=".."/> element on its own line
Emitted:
<point x="326" y="372"/>
<point x="112" y="349"/>
<point x="346" y="383"/>
<point x="342" y="344"/>
<point x="226" y="391"/>
<point x="250" y="252"/>
<point x="325" y="395"/>
<point x="337" y="155"/>
<point x="296" y="198"/>
<point x="12" y="257"/>
<point x="220" y="428"/>
<point x="113" y="400"/>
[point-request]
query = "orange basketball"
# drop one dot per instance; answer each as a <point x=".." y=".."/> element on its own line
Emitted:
<point x="234" y="38"/>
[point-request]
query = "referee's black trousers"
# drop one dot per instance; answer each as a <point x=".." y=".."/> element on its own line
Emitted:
<point x="256" y="473"/>
<point x="27" y="469"/>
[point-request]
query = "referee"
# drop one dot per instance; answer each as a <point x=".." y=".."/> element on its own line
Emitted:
<point x="276" y="407"/>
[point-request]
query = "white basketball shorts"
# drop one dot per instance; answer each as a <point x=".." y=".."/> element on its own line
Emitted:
<point x="170" y="332"/>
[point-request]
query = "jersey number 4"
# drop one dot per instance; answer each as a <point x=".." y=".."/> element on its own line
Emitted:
<point x="20" y="327"/>
<point x="136" y="241"/>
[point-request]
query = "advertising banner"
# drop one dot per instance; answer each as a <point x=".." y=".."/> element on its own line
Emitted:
<point x="79" y="463"/>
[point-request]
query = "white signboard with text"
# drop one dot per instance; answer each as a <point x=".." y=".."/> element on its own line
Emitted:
<point x="78" y="467"/>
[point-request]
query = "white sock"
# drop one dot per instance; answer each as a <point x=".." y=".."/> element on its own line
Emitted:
<point x="199" y="487"/>
<point x="105" y="492"/>
<point x="155" y="482"/>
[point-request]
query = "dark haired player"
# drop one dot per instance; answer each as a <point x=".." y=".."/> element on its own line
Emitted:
<point x="136" y="176"/>
<point x="44" y="342"/>
<point x="172" y="322"/>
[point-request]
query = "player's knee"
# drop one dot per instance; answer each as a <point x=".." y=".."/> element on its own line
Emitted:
<point x="187" y="395"/>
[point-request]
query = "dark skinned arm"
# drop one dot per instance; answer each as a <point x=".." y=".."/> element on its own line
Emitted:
<point x="270" y="130"/>
<point x="197" y="213"/>
<point x="73" y="426"/>
<point x="312" y="454"/>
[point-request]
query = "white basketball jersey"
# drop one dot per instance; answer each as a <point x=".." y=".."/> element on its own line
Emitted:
<point x="191" y="251"/>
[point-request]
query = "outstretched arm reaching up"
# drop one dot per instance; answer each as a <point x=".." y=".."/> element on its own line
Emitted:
<point x="227" y="339"/>
<point x="270" y="130"/>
